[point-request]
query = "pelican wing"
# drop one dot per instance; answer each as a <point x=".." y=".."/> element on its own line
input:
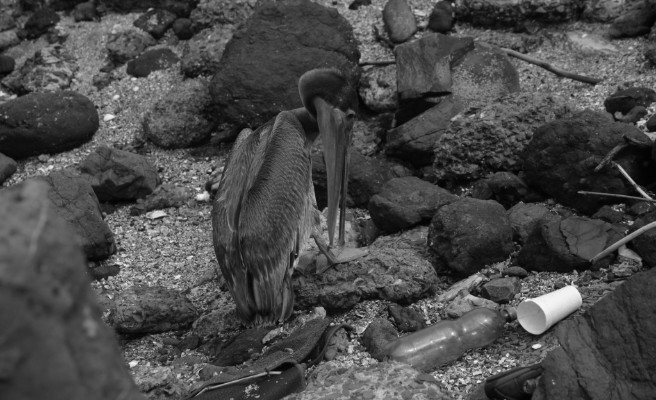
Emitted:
<point x="272" y="218"/>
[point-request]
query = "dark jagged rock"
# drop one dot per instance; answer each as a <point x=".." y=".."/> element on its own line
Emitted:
<point x="610" y="351"/>
<point x="164" y="196"/>
<point x="75" y="202"/>
<point x="645" y="244"/>
<point x="501" y="290"/>
<point x="367" y="175"/>
<point x="118" y="175"/>
<point x="405" y="202"/>
<point x="39" y="123"/>
<point x="182" y="27"/>
<point x="359" y="3"/>
<point x="146" y="309"/>
<point x="150" y="61"/>
<point x="609" y="214"/>
<point x="491" y="138"/>
<point x="103" y="271"/>
<point x="280" y="42"/>
<point x="406" y="318"/>
<point x="127" y="43"/>
<point x="601" y="11"/>
<point x="181" y="118"/>
<point x="565" y="244"/>
<point x="7" y="167"/>
<point x="636" y="20"/>
<point x="424" y="66"/>
<point x="524" y="217"/>
<point x="396" y="269"/>
<point x="380" y="333"/>
<point x="468" y="234"/>
<point x="202" y="54"/>
<point x="414" y="141"/>
<point x="7" y="65"/>
<point x="49" y="318"/>
<point x="442" y="17"/>
<point x="377" y="88"/>
<point x="399" y="20"/>
<point x="86" y="11"/>
<point x="562" y="155"/>
<point x="155" y="21"/>
<point x="624" y="100"/>
<point x="38" y="23"/>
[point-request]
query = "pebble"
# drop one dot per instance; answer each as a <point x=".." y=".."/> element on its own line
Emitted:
<point x="108" y="117"/>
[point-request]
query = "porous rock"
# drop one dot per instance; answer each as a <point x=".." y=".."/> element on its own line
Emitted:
<point x="280" y="42"/>
<point x="405" y="202"/>
<point x="49" y="318"/>
<point x="501" y="290"/>
<point x="377" y="88"/>
<point x="119" y="175"/>
<point x="209" y="13"/>
<point x="202" y="54"/>
<point x="396" y="269"/>
<point x="40" y="21"/>
<point x="406" y="319"/>
<point x="524" y="217"/>
<point x="491" y="139"/>
<point x="468" y="234"/>
<point x="150" y="309"/>
<point x="125" y="44"/>
<point x="636" y="20"/>
<point x="380" y="333"/>
<point x="181" y="118"/>
<point x="39" y="123"/>
<point x="50" y="69"/>
<point x="598" y="356"/>
<point x="493" y="13"/>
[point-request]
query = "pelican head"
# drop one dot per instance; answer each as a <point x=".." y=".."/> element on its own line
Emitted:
<point x="329" y="97"/>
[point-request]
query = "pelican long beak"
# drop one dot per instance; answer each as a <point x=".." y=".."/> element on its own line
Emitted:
<point x="335" y="127"/>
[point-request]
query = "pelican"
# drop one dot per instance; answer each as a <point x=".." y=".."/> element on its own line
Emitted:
<point x="266" y="208"/>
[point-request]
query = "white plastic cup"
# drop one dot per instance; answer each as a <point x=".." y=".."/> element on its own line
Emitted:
<point x="541" y="313"/>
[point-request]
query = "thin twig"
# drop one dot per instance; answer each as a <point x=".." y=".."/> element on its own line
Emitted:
<point x="632" y="182"/>
<point x="550" y="68"/>
<point x="620" y="242"/>
<point x="377" y="63"/>
<point x="609" y="157"/>
<point x="622" y="196"/>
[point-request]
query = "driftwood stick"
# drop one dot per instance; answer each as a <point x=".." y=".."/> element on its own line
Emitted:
<point x="620" y="242"/>
<point x="621" y="196"/>
<point x="632" y="182"/>
<point x="550" y="68"/>
<point x="609" y="157"/>
<point x="377" y="63"/>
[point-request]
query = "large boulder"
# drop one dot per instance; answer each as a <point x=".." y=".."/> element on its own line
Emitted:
<point x="40" y="123"/>
<point x="468" y="234"/>
<point x="74" y="200"/>
<point x="119" y="175"/>
<point x="610" y="351"/>
<point x="562" y="156"/>
<point x="54" y="343"/>
<point x="488" y="139"/>
<point x="258" y="74"/>
<point x="181" y="118"/>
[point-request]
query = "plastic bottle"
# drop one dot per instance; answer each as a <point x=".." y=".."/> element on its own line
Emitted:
<point x="447" y="340"/>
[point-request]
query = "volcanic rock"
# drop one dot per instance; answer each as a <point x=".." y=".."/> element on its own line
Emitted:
<point x="150" y="61"/>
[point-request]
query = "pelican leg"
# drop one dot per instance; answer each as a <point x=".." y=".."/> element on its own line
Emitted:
<point x="346" y="254"/>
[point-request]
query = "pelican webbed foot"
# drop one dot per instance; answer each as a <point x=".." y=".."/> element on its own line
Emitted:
<point x="337" y="255"/>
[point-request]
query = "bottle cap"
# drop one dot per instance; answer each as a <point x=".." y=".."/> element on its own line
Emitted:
<point x="511" y="312"/>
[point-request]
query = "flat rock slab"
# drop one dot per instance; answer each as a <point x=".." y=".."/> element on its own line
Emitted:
<point x="54" y="343"/>
<point x="39" y="123"/>
<point x="150" y="309"/>
<point x="397" y="269"/>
